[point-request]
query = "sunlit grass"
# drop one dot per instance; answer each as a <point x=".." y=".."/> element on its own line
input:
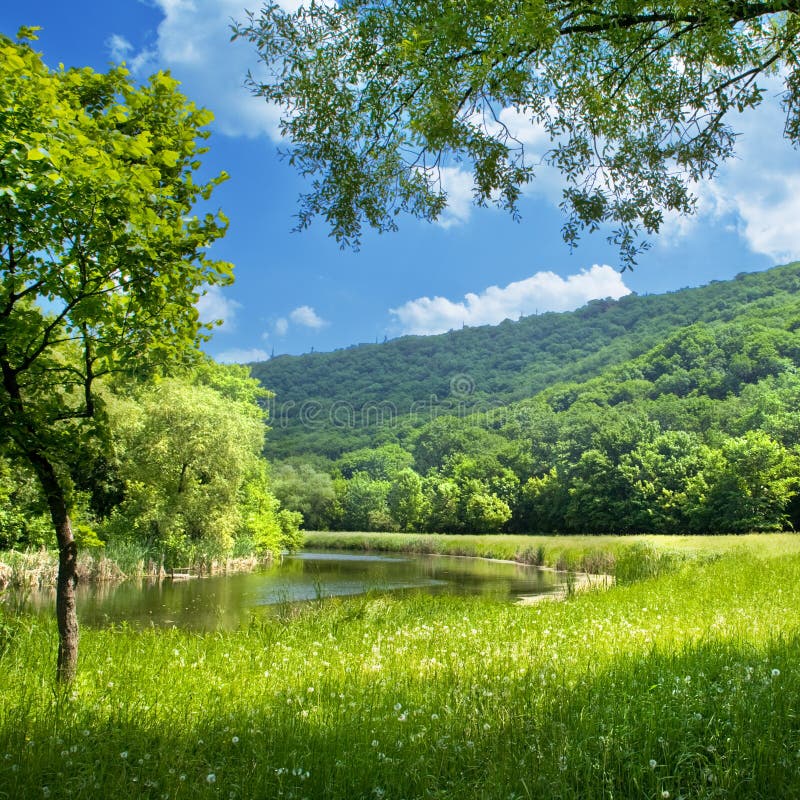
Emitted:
<point x="682" y="685"/>
<point x="589" y="553"/>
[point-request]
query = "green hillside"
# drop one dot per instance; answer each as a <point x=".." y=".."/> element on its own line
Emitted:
<point x="329" y="403"/>
<point x="665" y="414"/>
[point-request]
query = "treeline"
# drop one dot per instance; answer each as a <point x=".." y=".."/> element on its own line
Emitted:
<point x="174" y="466"/>
<point x="698" y="434"/>
<point x="332" y="403"/>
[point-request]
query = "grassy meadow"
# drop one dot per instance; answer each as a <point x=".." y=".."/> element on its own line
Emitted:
<point x="683" y="683"/>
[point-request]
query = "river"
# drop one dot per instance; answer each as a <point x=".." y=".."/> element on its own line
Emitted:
<point x="224" y="602"/>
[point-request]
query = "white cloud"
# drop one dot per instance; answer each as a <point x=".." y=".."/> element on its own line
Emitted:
<point x="457" y="183"/>
<point x="761" y="187"/>
<point x="305" y="315"/>
<point x="119" y="47"/>
<point x="194" y="42"/>
<point x="213" y="306"/>
<point x="756" y="193"/>
<point x="281" y="326"/>
<point x="544" y="291"/>
<point x="241" y="356"/>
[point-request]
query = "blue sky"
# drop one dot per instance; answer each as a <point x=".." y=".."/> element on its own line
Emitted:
<point x="295" y="292"/>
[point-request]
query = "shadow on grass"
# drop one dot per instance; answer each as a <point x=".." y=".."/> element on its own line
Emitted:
<point x="717" y="720"/>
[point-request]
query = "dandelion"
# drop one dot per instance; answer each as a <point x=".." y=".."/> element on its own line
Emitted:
<point x="665" y="794"/>
<point x="653" y="763"/>
<point x="123" y="754"/>
<point x="397" y="706"/>
<point x="211" y="778"/>
<point x="235" y="739"/>
<point x="402" y="718"/>
<point x="775" y="673"/>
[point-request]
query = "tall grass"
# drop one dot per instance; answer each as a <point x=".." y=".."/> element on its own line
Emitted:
<point x="629" y="558"/>
<point x="684" y="684"/>
<point x="118" y="560"/>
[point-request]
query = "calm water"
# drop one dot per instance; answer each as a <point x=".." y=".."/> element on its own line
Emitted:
<point x="226" y="601"/>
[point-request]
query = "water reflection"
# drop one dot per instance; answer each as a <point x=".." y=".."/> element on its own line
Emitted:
<point x="226" y="601"/>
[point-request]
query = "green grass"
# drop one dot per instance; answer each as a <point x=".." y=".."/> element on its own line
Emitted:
<point x="627" y="557"/>
<point x="681" y="685"/>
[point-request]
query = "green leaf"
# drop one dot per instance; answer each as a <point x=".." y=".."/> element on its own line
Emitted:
<point x="169" y="157"/>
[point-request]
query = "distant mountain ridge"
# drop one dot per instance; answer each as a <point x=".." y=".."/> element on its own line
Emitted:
<point x="328" y="403"/>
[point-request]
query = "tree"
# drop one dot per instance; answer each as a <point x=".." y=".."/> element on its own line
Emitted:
<point x="406" y="500"/>
<point x="543" y="503"/>
<point x="599" y="495"/>
<point x="101" y="262"/>
<point x="363" y="503"/>
<point x="661" y="472"/>
<point x="633" y="100"/>
<point x="752" y="486"/>
<point x="483" y="511"/>
<point x="380" y="463"/>
<point x="305" y="489"/>
<point x="189" y="458"/>
<point x="443" y="498"/>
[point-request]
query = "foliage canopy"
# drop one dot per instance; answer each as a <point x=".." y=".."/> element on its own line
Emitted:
<point x="101" y="261"/>
<point x="632" y="99"/>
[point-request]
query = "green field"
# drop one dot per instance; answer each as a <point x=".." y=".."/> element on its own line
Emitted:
<point x="684" y="684"/>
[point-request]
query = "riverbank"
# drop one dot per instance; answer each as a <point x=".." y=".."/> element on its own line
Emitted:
<point x="679" y="685"/>
<point x="627" y="558"/>
<point x="36" y="570"/>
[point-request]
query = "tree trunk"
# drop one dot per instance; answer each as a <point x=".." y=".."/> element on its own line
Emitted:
<point x="30" y="444"/>
<point x="66" y="614"/>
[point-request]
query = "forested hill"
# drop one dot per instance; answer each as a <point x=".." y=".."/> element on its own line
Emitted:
<point x="328" y="403"/>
